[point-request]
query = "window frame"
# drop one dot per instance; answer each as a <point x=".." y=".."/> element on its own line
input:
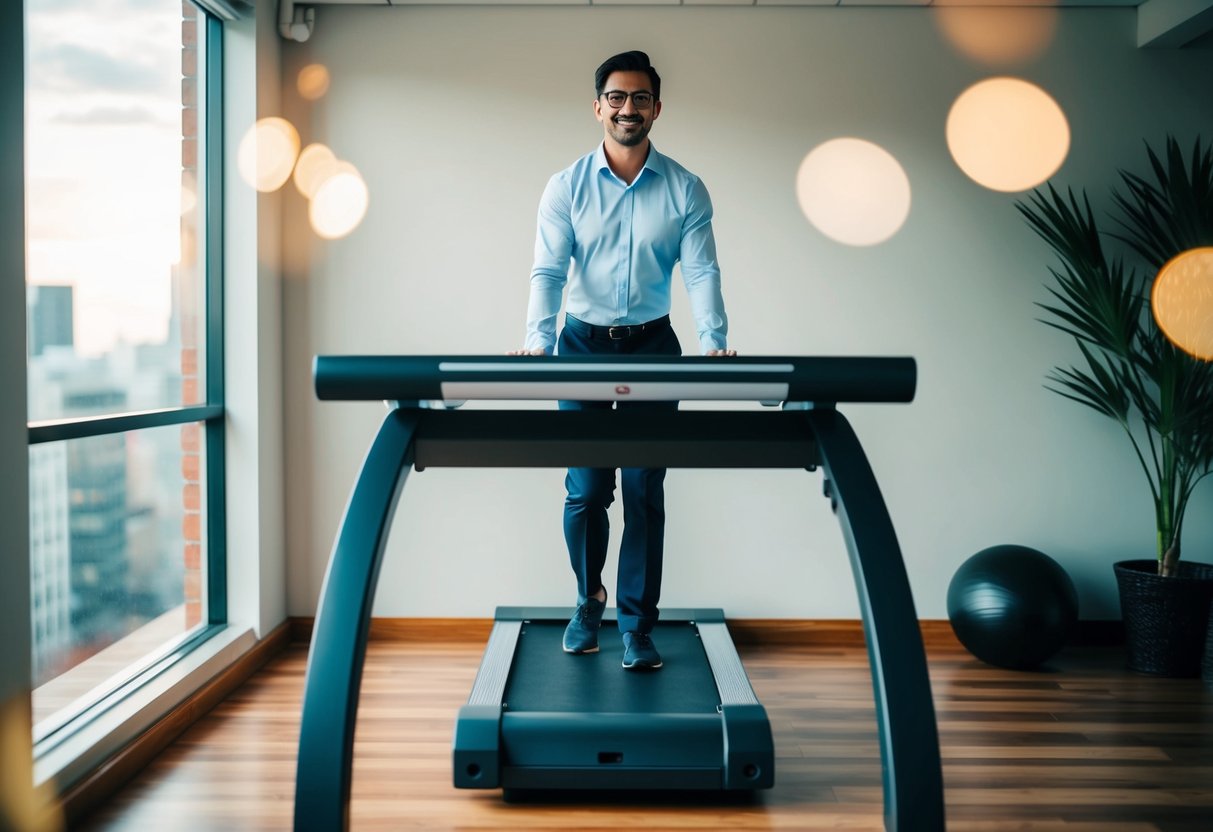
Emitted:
<point x="212" y="415"/>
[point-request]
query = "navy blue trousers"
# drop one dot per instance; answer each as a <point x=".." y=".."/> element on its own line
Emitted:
<point x="592" y="490"/>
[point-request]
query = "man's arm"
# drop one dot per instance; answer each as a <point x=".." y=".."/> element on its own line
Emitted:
<point x="701" y="273"/>
<point x="550" y="271"/>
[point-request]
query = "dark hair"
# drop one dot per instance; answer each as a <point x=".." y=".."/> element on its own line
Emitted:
<point x="634" y="61"/>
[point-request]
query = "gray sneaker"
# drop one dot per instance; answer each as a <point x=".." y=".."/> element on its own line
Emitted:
<point x="581" y="636"/>
<point x="639" y="652"/>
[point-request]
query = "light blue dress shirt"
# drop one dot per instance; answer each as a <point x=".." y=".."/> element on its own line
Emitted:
<point x="622" y="242"/>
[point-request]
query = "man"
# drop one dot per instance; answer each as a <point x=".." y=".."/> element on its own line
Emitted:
<point x="622" y="215"/>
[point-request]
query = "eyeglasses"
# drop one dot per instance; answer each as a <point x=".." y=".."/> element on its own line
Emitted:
<point x="643" y="99"/>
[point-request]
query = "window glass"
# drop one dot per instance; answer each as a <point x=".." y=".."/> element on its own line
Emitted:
<point x="114" y="208"/>
<point x="117" y="527"/>
<point x="115" y="186"/>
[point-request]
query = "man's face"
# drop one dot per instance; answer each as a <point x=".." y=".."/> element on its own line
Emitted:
<point x="627" y="124"/>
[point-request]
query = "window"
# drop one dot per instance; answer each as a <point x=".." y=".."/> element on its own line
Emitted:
<point x="123" y="298"/>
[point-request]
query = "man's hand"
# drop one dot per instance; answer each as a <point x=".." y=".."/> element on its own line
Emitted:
<point x="525" y="351"/>
<point x="721" y="352"/>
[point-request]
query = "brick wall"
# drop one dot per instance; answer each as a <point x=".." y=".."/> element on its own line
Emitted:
<point x="189" y="307"/>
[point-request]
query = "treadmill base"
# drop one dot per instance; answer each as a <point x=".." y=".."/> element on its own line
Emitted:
<point x="542" y="719"/>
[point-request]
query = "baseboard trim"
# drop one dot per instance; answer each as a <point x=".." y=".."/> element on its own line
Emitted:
<point x="826" y="632"/>
<point x="106" y="779"/>
<point x="407" y="629"/>
<point x="749" y="631"/>
<point x="936" y="633"/>
<point x="755" y="631"/>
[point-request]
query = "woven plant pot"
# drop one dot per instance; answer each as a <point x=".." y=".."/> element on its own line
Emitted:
<point x="1166" y="619"/>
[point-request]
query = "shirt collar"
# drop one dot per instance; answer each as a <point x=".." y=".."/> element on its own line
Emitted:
<point x="654" y="162"/>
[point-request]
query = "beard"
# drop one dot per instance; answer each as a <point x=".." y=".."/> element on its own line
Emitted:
<point x="629" y="138"/>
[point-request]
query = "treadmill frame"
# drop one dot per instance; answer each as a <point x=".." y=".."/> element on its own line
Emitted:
<point x="800" y="436"/>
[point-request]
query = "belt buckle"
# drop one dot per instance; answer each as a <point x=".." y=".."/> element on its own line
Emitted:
<point x="618" y="333"/>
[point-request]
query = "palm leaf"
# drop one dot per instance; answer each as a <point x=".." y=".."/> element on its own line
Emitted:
<point x="1160" y="219"/>
<point x="1097" y="387"/>
<point x="1069" y="229"/>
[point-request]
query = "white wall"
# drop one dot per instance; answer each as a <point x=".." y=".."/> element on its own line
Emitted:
<point x="253" y="338"/>
<point x="456" y="118"/>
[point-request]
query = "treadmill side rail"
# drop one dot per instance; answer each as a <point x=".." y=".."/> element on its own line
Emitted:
<point x="727" y="669"/>
<point x="476" y="752"/>
<point x="749" y="750"/>
<point x="494" y="669"/>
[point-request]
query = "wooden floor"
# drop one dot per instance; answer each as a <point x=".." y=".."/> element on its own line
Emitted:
<point x="1082" y="747"/>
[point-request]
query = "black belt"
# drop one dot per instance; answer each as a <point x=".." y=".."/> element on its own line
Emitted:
<point x="619" y="332"/>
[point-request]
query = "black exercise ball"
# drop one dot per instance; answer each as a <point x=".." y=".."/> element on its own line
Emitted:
<point x="1012" y="606"/>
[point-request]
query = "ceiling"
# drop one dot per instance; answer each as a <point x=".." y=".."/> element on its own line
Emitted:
<point x="1160" y="23"/>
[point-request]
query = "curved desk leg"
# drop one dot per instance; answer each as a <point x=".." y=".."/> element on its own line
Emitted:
<point x="334" y="667"/>
<point x="905" y="712"/>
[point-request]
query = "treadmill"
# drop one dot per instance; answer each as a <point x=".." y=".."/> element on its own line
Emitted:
<point x="695" y="724"/>
<point x="540" y="720"/>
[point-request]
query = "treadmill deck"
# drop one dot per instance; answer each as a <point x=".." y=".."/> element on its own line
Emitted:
<point x="583" y="722"/>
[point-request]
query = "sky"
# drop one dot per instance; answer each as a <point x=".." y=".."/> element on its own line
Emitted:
<point x="103" y="161"/>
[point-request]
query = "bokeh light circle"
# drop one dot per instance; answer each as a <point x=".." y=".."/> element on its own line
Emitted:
<point x="316" y="163"/>
<point x="1182" y="301"/>
<point x="997" y="35"/>
<point x="853" y="191"/>
<point x="1007" y="134"/>
<point x="313" y="81"/>
<point x="340" y="202"/>
<point x="267" y="153"/>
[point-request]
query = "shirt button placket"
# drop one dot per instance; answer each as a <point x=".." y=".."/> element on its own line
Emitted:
<point x="625" y="252"/>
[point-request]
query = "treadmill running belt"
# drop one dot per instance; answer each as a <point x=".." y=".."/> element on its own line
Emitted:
<point x="545" y="678"/>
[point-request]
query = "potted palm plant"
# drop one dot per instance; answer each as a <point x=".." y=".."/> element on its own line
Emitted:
<point x="1131" y="373"/>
